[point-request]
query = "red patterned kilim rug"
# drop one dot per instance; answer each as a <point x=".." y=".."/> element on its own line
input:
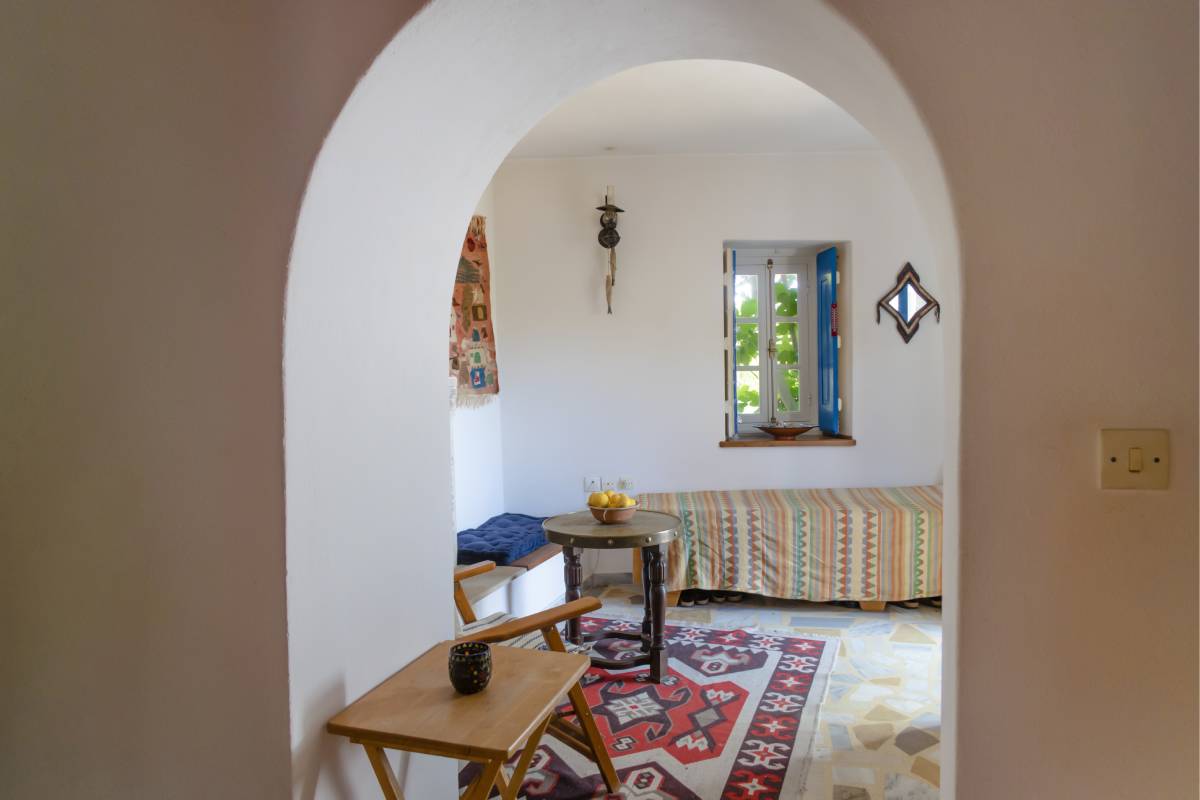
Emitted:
<point x="734" y="720"/>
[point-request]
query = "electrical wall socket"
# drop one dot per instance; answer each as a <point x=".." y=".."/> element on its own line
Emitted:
<point x="609" y="484"/>
<point x="625" y="485"/>
<point x="592" y="484"/>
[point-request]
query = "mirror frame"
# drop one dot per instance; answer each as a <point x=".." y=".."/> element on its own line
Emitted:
<point x="907" y="276"/>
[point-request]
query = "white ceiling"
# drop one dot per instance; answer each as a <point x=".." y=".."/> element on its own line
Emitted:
<point x="675" y="107"/>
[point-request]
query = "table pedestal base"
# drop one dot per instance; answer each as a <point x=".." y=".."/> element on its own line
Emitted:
<point x="654" y="588"/>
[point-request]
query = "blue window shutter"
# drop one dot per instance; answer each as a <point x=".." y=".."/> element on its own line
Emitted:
<point x="732" y="312"/>
<point x="827" y="350"/>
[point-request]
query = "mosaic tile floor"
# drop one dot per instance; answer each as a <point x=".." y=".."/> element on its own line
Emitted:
<point x="880" y="728"/>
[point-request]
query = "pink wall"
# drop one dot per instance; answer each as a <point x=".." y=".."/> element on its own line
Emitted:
<point x="154" y="157"/>
<point x="1068" y="133"/>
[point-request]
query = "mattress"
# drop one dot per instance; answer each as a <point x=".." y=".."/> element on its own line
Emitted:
<point x="504" y="538"/>
<point x="808" y="544"/>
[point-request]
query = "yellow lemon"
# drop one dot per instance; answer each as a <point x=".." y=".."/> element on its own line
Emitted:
<point x="630" y="502"/>
<point x="598" y="500"/>
<point x="617" y="500"/>
<point x="609" y="492"/>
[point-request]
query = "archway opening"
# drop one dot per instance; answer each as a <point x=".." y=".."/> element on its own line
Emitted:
<point x="368" y="451"/>
<point x="737" y="166"/>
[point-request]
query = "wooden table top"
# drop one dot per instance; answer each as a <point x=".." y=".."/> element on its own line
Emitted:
<point x="581" y="529"/>
<point x="418" y="710"/>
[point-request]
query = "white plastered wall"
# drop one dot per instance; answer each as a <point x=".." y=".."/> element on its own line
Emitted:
<point x="475" y="430"/>
<point x="639" y="394"/>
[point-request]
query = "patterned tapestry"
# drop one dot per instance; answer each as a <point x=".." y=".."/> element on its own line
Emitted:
<point x="472" y="341"/>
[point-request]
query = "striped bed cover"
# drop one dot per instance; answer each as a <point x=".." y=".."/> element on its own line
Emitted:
<point x="808" y="544"/>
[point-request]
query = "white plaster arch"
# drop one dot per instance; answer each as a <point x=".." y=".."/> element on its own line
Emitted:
<point x="367" y="450"/>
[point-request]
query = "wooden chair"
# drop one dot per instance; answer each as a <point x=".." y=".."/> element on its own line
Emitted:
<point x="532" y="633"/>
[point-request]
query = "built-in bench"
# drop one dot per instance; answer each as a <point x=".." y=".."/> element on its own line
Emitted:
<point x="528" y="585"/>
<point x="528" y="576"/>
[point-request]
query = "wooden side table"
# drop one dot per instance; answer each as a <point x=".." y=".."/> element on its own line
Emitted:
<point x="651" y="532"/>
<point x="418" y="710"/>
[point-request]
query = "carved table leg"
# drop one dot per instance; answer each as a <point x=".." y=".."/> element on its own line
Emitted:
<point x="573" y="577"/>
<point x="656" y="589"/>
<point x="646" y="615"/>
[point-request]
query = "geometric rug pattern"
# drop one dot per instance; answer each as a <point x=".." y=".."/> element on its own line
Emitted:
<point x="879" y="734"/>
<point x="735" y="718"/>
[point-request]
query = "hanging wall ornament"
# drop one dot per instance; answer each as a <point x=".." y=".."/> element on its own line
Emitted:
<point x="908" y="301"/>
<point x="608" y="238"/>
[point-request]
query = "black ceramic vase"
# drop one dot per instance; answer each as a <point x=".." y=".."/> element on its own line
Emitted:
<point x="470" y="666"/>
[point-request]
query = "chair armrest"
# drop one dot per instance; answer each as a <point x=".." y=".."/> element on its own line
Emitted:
<point x="534" y="622"/>
<point x="471" y="570"/>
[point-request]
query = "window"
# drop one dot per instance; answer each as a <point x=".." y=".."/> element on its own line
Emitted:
<point x="773" y="347"/>
<point x="779" y="357"/>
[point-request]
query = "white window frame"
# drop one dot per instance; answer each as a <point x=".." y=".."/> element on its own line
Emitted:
<point x="784" y="261"/>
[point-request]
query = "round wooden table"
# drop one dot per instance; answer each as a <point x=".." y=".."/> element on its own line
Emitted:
<point x="651" y="532"/>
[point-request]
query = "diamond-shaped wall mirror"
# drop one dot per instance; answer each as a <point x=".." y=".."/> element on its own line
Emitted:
<point x="908" y="301"/>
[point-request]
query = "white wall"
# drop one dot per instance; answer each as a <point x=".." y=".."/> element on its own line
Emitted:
<point x="478" y="447"/>
<point x="639" y="394"/>
<point x="478" y="464"/>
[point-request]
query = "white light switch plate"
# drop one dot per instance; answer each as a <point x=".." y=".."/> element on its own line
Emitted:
<point x="1134" y="458"/>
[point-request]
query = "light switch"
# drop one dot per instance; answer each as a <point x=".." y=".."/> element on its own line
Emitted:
<point x="1134" y="459"/>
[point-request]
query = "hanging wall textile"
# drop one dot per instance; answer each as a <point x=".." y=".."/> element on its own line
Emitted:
<point x="472" y="341"/>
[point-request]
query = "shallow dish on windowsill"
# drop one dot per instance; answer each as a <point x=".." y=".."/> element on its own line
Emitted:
<point x="785" y="431"/>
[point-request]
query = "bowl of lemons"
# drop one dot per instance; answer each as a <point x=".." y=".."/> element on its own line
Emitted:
<point x="611" y="507"/>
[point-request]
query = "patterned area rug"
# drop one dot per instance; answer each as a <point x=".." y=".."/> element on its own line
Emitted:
<point x="735" y="720"/>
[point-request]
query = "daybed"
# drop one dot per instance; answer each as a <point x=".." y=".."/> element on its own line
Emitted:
<point x="864" y="545"/>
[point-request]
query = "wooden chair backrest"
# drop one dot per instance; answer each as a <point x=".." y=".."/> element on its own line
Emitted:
<point x="460" y="597"/>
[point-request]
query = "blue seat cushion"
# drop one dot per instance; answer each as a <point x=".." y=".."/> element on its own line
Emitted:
<point x="503" y="539"/>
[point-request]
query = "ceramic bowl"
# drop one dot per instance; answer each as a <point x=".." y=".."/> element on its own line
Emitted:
<point x="785" y="431"/>
<point x="611" y="516"/>
<point x="470" y="666"/>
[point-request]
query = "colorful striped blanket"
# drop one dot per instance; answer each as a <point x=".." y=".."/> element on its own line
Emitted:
<point x="808" y="544"/>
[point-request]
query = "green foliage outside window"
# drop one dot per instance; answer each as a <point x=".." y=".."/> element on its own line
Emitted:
<point x="747" y="335"/>
<point x="786" y="296"/>
<point x="785" y="343"/>
<point x="786" y="299"/>
<point x="746" y="342"/>
<point x="747" y="397"/>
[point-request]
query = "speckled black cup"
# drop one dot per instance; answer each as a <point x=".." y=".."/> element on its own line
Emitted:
<point x="470" y="666"/>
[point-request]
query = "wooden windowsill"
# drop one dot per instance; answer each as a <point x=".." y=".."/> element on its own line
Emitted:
<point x="803" y="441"/>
